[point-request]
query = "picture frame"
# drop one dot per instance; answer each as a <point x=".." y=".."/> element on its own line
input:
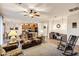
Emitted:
<point x="11" y="28"/>
<point x="74" y="25"/>
<point x="16" y="28"/>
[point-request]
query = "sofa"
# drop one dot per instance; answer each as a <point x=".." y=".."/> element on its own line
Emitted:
<point x="31" y="42"/>
<point x="10" y="47"/>
<point x="14" y="52"/>
<point x="54" y="35"/>
<point x="2" y="52"/>
<point x="11" y="50"/>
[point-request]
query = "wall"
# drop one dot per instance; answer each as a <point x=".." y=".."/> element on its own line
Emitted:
<point x="12" y="23"/>
<point x="66" y="25"/>
<point x="62" y="20"/>
<point x="1" y="30"/>
<point x="73" y="31"/>
<point x="43" y="31"/>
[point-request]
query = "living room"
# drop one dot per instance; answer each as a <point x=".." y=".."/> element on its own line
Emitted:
<point x="35" y="30"/>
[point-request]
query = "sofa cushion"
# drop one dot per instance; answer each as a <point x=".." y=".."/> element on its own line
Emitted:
<point x="37" y="40"/>
<point x="2" y="52"/>
<point x="26" y="45"/>
<point x="28" y="41"/>
<point x="14" y="52"/>
<point x="10" y="47"/>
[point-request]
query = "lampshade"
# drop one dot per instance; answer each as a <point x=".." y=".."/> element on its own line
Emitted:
<point x="12" y="33"/>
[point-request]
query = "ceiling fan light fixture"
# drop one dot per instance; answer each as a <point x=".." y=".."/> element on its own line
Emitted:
<point x="31" y="15"/>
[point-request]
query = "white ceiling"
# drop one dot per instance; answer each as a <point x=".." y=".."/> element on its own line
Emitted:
<point x="14" y="11"/>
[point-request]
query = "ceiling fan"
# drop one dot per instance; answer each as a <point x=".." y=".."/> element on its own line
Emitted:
<point x="30" y="12"/>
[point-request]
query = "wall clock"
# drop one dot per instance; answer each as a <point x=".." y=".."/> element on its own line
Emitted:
<point x="58" y="25"/>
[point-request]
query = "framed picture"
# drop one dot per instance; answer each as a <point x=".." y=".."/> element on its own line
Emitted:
<point x="44" y="27"/>
<point x="16" y="28"/>
<point x="11" y="28"/>
<point x="74" y="25"/>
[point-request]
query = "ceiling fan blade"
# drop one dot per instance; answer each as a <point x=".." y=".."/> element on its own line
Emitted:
<point x="25" y="15"/>
<point x="35" y="12"/>
<point x="38" y="15"/>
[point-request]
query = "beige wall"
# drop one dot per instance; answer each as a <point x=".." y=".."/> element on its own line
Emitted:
<point x="12" y="23"/>
<point x="41" y="30"/>
<point x="59" y="20"/>
<point x="66" y="25"/>
<point x="1" y="30"/>
<point x="74" y="31"/>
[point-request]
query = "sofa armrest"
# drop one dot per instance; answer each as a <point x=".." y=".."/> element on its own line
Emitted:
<point x="10" y="47"/>
<point x="14" y="52"/>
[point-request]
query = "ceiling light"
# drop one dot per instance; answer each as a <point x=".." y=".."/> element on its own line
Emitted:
<point x="31" y="15"/>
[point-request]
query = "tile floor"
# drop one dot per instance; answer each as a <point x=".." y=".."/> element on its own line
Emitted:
<point x="45" y="49"/>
